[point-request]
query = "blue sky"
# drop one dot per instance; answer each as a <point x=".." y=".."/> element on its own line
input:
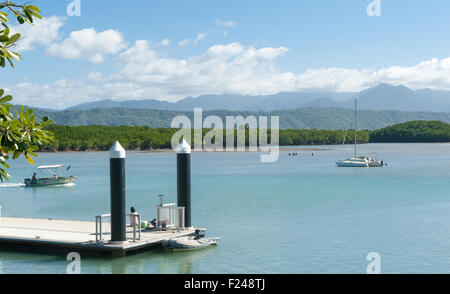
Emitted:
<point x="246" y="47"/>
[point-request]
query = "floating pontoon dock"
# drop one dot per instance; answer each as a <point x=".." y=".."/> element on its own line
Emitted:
<point x="116" y="237"/>
<point x="78" y="236"/>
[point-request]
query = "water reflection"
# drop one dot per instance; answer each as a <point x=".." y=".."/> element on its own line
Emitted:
<point x="19" y="263"/>
<point x="157" y="261"/>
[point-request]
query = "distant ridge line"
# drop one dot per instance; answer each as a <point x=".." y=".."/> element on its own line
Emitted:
<point x="329" y="118"/>
<point x="381" y="97"/>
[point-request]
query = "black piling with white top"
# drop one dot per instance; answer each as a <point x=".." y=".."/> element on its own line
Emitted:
<point x="118" y="196"/>
<point x="184" y="180"/>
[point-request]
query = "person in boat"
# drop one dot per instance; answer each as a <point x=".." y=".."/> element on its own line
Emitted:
<point x="55" y="176"/>
<point x="34" y="178"/>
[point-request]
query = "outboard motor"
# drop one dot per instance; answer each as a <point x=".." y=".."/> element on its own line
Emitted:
<point x="199" y="233"/>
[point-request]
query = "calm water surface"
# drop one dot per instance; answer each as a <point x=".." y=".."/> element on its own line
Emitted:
<point x="298" y="215"/>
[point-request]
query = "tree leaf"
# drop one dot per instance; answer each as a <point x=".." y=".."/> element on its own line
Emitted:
<point x="28" y="15"/>
<point x="29" y="159"/>
<point x="3" y="18"/>
<point x="12" y="39"/>
<point x="6" y="32"/>
<point x="32" y="7"/>
<point x="16" y="154"/>
<point x="35" y="14"/>
<point x="6" y="99"/>
<point x="4" y="164"/>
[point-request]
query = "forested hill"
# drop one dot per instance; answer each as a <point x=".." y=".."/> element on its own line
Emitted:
<point x="80" y="138"/>
<point x="300" y="118"/>
<point x="413" y="131"/>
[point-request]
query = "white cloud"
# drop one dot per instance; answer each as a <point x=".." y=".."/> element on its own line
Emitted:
<point x="148" y="72"/>
<point x="434" y="74"/>
<point x="88" y="44"/>
<point x="226" y="24"/>
<point x="200" y="37"/>
<point x="197" y="39"/>
<point x="95" y="76"/>
<point x="164" y="43"/>
<point x="184" y="42"/>
<point x="231" y="68"/>
<point x="65" y="92"/>
<point x="43" y="31"/>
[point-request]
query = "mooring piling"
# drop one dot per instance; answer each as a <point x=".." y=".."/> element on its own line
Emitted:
<point x="184" y="180"/>
<point x="83" y="236"/>
<point x="118" y="195"/>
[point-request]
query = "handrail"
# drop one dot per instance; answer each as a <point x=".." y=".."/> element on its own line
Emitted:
<point x="170" y="215"/>
<point x="99" y="226"/>
<point x="136" y="224"/>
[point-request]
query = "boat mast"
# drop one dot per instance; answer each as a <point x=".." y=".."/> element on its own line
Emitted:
<point x="355" y="124"/>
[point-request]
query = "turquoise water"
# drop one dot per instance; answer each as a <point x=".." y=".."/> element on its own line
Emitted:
<point x="298" y="215"/>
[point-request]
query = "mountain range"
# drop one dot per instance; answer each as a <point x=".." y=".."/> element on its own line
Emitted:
<point x="331" y="118"/>
<point x="381" y="97"/>
<point x="226" y="102"/>
<point x="378" y="107"/>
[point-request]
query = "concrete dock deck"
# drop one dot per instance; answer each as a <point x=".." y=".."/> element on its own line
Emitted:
<point x="79" y="236"/>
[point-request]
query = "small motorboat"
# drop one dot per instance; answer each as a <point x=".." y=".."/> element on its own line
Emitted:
<point x="189" y="243"/>
<point x="56" y="179"/>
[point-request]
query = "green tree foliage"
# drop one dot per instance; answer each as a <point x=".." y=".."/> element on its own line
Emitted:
<point x="414" y="131"/>
<point x="95" y="137"/>
<point x="23" y="14"/>
<point x="81" y="138"/>
<point x="19" y="131"/>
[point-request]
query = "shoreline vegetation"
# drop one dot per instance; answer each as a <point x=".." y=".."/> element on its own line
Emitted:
<point x="144" y="138"/>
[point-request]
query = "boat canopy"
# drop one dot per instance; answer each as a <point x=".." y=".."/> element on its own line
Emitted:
<point x="50" y="166"/>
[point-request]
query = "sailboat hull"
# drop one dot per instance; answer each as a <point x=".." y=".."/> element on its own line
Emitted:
<point x="349" y="163"/>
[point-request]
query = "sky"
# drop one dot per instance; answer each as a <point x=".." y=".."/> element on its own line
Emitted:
<point x="172" y="49"/>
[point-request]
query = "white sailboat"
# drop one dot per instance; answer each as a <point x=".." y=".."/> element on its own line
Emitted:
<point x="359" y="161"/>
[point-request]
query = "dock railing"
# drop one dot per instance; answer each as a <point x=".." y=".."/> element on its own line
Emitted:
<point x="100" y="232"/>
<point x="136" y="225"/>
<point x="99" y="227"/>
<point x="170" y="216"/>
